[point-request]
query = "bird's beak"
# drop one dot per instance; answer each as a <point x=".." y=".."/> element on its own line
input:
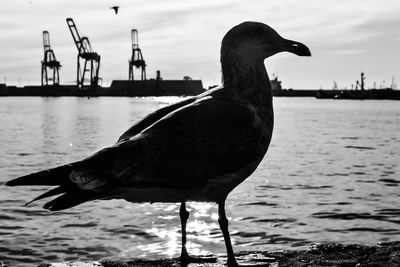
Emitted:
<point x="296" y="48"/>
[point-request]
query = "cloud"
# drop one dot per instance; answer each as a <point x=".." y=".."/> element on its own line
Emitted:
<point x="182" y="37"/>
<point x="346" y="52"/>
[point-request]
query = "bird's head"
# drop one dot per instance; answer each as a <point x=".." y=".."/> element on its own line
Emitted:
<point x="257" y="41"/>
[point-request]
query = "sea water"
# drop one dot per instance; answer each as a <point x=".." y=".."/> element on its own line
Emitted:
<point x="331" y="174"/>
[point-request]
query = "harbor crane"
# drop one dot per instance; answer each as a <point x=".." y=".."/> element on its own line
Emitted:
<point x="137" y="60"/>
<point x="87" y="60"/>
<point x="49" y="62"/>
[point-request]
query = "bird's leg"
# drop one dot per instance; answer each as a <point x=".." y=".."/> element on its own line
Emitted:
<point x="184" y="214"/>
<point x="185" y="258"/>
<point x="223" y="224"/>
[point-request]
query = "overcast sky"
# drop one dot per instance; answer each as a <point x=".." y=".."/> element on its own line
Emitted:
<point x="182" y="37"/>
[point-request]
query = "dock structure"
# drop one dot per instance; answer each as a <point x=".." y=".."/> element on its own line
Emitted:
<point x="136" y="60"/>
<point x="88" y="63"/>
<point x="87" y="59"/>
<point x="49" y="63"/>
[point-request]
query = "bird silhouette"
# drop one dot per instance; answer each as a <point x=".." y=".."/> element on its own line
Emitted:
<point x="115" y="9"/>
<point x="198" y="149"/>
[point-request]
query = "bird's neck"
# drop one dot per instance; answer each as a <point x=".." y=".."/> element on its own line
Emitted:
<point x="247" y="77"/>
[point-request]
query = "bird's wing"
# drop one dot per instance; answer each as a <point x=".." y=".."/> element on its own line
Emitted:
<point x="153" y="118"/>
<point x="115" y="9"/>
<point x="197" y="142"/>
<point x="182" y="150"/>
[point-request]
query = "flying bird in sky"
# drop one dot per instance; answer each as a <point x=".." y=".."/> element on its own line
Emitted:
<point x="115" y="9"/>
<point x="199" y="149"/>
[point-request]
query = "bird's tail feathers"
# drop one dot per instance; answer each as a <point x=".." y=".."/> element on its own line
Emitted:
<point x="72" y="198"/>
<point x="55" y="176"/>
<point x="52" y="192"/>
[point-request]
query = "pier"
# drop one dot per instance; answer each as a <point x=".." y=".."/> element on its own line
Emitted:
<point x="117" y="88"/>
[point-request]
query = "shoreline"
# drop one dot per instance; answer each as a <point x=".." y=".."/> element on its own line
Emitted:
<point x="326" y="254"/>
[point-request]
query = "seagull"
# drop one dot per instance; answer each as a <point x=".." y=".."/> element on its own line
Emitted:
<point x="115" y="9"/>
<point x="198" y="149"/>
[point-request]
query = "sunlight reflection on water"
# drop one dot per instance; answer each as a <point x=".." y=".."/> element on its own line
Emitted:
<point x="199" y="229"/>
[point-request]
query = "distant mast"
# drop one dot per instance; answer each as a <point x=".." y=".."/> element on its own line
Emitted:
<point x="362" y="80"/>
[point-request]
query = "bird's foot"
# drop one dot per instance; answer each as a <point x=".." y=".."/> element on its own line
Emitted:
<point x="232" y="263"/>
<point x="185" y="258"/>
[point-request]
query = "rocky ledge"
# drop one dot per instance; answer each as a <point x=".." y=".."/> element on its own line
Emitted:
<point x="329" y="254"/>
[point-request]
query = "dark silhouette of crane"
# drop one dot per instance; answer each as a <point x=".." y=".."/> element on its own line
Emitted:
<point x="137" y="60"/>
<point x="49" y="62"/>
<point x="87" y="60"/>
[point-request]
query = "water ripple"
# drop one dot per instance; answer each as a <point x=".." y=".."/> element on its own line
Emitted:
<point x="390" y="181"/>
<point x="353" y="216"/>
<point x="80" y="225"/>
<point x="361" y="147"/>
<point x="330" y="174"/>
<point x="261" y="203"/>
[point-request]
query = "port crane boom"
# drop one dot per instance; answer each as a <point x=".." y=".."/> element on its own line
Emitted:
<point x="87" y="59"/>
<point x="137" y="60"/>
<point x="49" y="62"/>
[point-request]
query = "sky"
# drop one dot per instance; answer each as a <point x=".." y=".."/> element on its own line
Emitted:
<point x="182" y="38"/>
